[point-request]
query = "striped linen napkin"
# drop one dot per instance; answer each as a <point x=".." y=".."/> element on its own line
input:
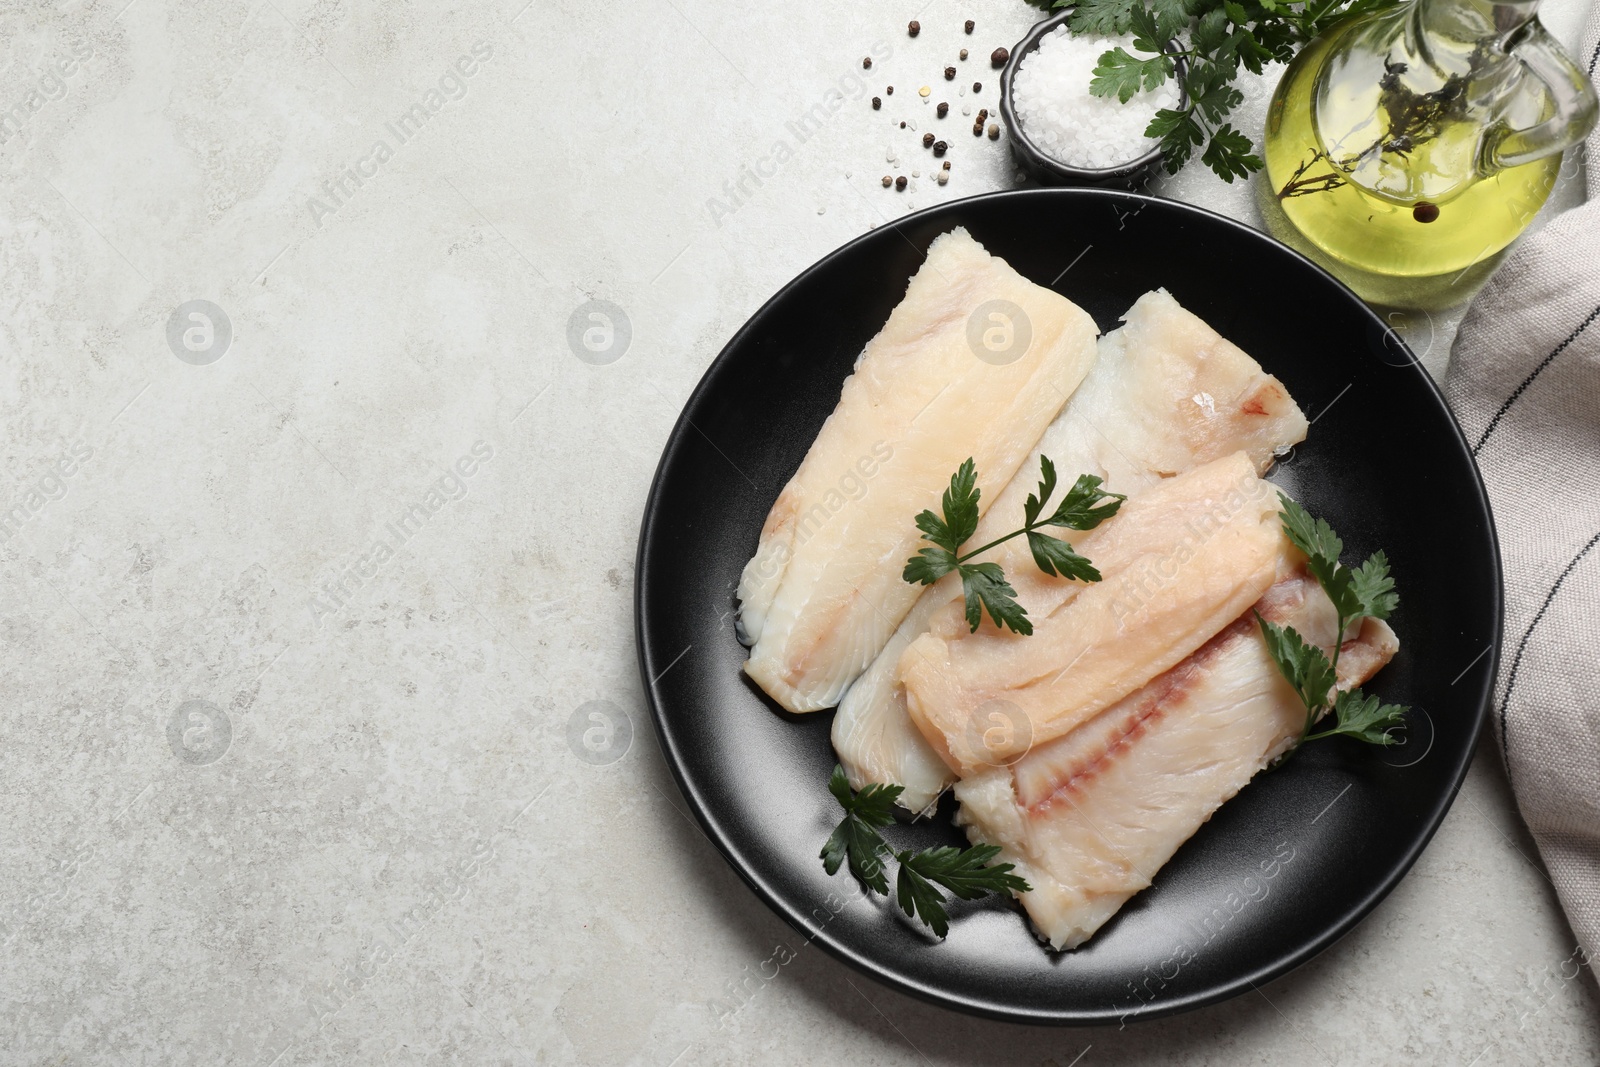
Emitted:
<point x="1524" y="380"/>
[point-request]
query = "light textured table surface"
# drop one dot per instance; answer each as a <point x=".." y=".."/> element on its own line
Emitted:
<point x="291" y="778"/>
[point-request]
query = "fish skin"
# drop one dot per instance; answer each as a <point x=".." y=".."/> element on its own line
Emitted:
<point x="1132" y="422"/>
<point x="823" y="592"/>
<point x="1090" y="818"/>
<point x="1180" y="562"/>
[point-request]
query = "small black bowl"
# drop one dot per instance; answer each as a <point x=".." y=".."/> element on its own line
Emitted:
<point x="1033" y="159"/>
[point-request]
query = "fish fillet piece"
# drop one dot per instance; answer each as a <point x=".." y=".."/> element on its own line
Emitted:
<point x="1180" y="562"/>
<point x="1166" y="394"/>
<point x="1179" y="393"/>
<point x="1092" y="816"/>
<point x="823" y="592"/>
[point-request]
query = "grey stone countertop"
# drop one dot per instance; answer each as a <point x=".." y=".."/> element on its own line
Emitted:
<point x="308" y="590"/>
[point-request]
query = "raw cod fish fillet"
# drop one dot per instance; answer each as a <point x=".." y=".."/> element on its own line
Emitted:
<point x="1090" y="817"/>
<point x="1166" y="394"/>
<point x="823" y="592"/>
<point x="1180" y="562"/>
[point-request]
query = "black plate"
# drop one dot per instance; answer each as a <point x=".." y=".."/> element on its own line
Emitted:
<point x="1384" y="462"/>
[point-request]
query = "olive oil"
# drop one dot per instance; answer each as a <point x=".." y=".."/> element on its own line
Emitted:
<point x="1379" y="167"/>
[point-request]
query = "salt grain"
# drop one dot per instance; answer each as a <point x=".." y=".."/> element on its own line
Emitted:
<point x="1053" y="104"/>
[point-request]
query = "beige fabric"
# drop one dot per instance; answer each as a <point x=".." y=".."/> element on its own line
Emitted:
<point x="1524" y="380"/>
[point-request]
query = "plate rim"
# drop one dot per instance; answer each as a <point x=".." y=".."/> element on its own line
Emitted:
<point x="705" y="815"/>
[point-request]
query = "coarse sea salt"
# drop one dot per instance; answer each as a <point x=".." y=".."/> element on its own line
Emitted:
<point x="1051" y="96"/>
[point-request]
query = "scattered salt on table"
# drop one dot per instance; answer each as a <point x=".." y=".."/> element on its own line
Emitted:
<point x="1053" y="104"/>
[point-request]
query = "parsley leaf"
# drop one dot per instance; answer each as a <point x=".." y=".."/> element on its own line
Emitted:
<point x="1179" y="135"/>
<point x="1364" y="718"/>
<point x="1221" y="37"/>
<point x="918" y="898"/>
<point x="1086" y="505"/>
<point x="1305" y="666"/>
<point x="961" y="871"/>
<point x="874" y="805"/>
<point x="1121" y="75"/>
<point x="984" y="585"/>
<point x="856" y="838"/>
<point x="1055" y="556"/>
<point x="960" y="505"/>
<point x="1373" y="587"/>
<point x="1229" y="154"/>
<point x="1314" y="537"/>
<point x="964" y="872"/>
<point x="1101" y="17"/>
<point x="860" y="843"/>
<point x="929" y="565"/>
<point x="1047" y="486"/>
<point x="1171" y="17"/>
<point x="1365" y="592"/>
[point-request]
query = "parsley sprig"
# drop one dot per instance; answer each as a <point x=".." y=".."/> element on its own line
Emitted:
<point x="1223" y="36"/>
<point x="1084" y="507"/>
<point x="1364" y="592"/>
<point x="964" y="872"/>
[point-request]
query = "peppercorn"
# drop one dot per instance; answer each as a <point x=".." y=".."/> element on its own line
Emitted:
<point x="943" y="109"/>
<point x="927" y="140"/>
<point x="902" y="124"/>
<point x="887" y="181"/>
<point x="963" y="53"/>
<point x="983" y="115"/>
<point x="977" y="87"/>
<point x="998" y="57"/>
<point x="977" y="129"/>
<point x="877" y="103"/>
<point x="1425" y="212"/>
<point x="949" y="74"/>
<point x="939" y="148"/>
<point x="866" y="62"/>
<point x="914" y="28"/>
<point x="970" y="25"/>
<point x="947" y="164"/>
<point x="994" y="131"/>
<point x="943" y="177"/>
<point x="889" y="91"/>
<point x="900" y="182"/>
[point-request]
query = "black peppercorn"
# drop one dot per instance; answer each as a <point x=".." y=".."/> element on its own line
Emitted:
<point x="866" y="63"/>
<point x="889" y="91"/>
<point x="949" y="74"/>
<point x="877" y="103"/>
<point x="914" y="28"/>
<point x="927" y="140"/>
<point x="998" y="57"/>
<point x="977" y="87"/>
<point x="970" y="25"/>
<point x="942" y="110"/>
<point x="1425" y="212"/>
<point x="900" y="182"/>
<point x="939" y="148"/>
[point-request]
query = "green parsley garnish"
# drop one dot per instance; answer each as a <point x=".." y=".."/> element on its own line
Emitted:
<point x="1222" y="36"/>
<point x="1365" y="592"/>
<point x="964" y="872"/>
<point x="1084" y="507"/>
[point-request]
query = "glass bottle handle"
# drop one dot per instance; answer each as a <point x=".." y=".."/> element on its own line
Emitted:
<point x="1573" y="97"/>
